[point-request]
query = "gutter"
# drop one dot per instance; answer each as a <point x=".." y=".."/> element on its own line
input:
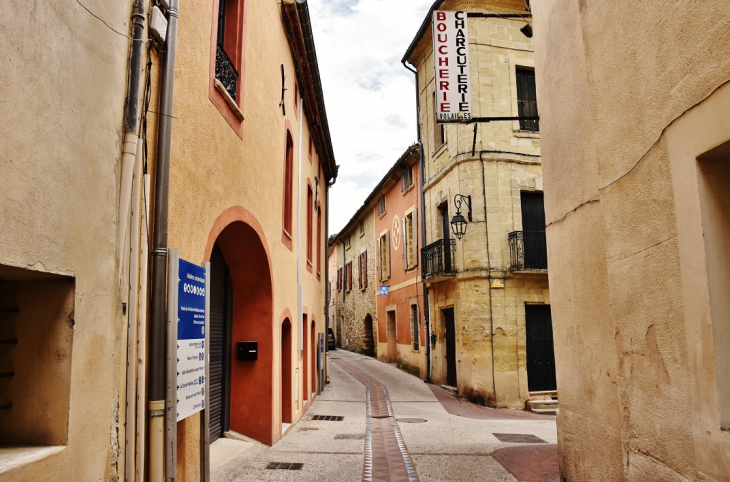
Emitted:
<point x="158" y="321"/>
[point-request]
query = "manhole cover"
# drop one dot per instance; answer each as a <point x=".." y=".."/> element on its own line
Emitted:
<point x="519" y="438"/>
<point x="285" y="466"/>
<point x="411" y="420"/>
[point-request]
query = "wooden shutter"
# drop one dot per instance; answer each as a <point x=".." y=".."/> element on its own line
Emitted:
<point x="365" y="269"/>
<point x="387" y="254"/>
<point x="405" y="243"/>
<point x="359" y="271"/>
<point x="414" y="238"/>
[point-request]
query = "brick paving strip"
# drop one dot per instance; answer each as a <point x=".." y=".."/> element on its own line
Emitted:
<point x="461" y="408"/>
<point x="386" y="455"/>
<point x="533" y="463"/>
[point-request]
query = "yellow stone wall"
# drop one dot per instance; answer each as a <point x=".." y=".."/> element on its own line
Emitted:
<point x="506" y="161"/>
<point x="634" y="267"/>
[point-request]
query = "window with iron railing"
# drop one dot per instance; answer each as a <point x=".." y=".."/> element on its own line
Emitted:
<point x="226" y="70"/>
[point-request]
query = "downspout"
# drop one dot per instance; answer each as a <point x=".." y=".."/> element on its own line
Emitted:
<point x="344" y="293"/>
<point x="489" y="268"/>
<point x="131" y="137"/>
<point x="327" y="273"/>
<point x="158" y="320"/>
<point x="421" y="168"/>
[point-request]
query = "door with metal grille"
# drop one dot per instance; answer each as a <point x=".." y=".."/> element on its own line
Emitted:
<point x="533" y="227"/>
<point x="540" y="354"/>
<point x="219" y="352"/>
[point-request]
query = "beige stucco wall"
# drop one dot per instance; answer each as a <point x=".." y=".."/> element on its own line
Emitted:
<point x="628" y="101"/>
<point x="64" y="84"/>
<point x="213" y="169"/>
<point x="506" y="162"/>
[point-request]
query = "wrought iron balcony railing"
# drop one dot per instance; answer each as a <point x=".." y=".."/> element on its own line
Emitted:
<point x="225" y="71"/>
<point x="527" y="250"/>
<point x="437" y="259"/>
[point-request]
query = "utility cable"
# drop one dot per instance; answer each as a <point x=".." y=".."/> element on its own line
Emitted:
<point x="109" y="26"/>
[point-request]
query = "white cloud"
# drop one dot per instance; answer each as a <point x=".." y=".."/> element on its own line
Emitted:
<point x="369" y="95"/>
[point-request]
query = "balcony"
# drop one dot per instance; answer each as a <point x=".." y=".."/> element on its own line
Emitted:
<point x="527" y="250"/>
<point x="225" y="71"/>
<point x="437" y="259"/>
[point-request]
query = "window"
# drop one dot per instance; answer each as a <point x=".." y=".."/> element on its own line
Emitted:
<point x="226" y="63"/>
<point x="362" y="267"/>
<point x="310" y="209"/>
<point x="381" y="205"/>
<point x="410" y="240"/>
<point x="362" y="228"/>
<point x="36" y="329"/>
<point x="288" y="188"/>
<point x="347" y="242"/>
<point x="348" y="276"/>
<point x="339" y="279"/>
<point x="310" y="148"/>
<point x="407" y="179"/>
<point x="527" y="99"/>
<point x="439" y="134"/>
<point x="319" y="241"/>
<point x="415" y="322"/>
<point x="384" y="256"/>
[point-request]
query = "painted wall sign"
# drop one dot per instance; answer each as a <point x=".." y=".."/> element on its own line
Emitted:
<point x="191" y="328"/>
<point x="384" y="290"/>
<point x="451" y="65"/>
<point x="396" y="232"/>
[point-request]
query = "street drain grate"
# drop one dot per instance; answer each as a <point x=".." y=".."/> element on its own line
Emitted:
<point x="308" y="429"/>
<point x="519" y="438"/>
<point x="328" y="418"/>
<point x="285" y="466"/>
<point x="411" y="420"/>
<point x="350" y="436"/>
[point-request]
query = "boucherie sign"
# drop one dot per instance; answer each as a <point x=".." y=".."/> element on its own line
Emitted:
<point x="451" y="63"/>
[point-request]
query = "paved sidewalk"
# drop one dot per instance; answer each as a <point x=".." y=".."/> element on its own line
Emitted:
<point x="397" y="428"/>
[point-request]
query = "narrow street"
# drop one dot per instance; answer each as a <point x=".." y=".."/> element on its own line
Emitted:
<point x="390" y="426"/>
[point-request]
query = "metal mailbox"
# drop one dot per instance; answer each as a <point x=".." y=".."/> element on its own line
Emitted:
<point x="247" y="350"/>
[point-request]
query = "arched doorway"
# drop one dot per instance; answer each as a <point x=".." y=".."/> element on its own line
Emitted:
<point x="305" y="357"/>
<point x="313" y="360"/>
<point x="240" y="260"/>
<point x="286" y="380"/>
<point x="368" y="338"/>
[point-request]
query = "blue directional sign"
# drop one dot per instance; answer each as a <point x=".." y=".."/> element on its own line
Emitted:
<point x="190" y="340"/>
<point x="384" y="290"/>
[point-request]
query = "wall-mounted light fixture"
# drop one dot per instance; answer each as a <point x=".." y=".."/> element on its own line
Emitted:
<point x="458" y="223"/>
<point x="316" y="195"/>
<point x="527" y="30"/>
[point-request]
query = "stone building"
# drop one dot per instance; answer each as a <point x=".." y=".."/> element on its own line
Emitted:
<point x="635" y="116"/>
<point x="355" y="285"/>
<point x="488" y="295"/>
<point x="62" y="313"/>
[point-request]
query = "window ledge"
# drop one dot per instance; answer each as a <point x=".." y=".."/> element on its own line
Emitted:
<point x="383" y="214"/>
<point x="13" y="457"/>
<point x="439" y="150"/>
<point x="229" y="100"/>
<point x="404" y="191"/>
<point x="527" y="134"/>
<point x="286" y="233"/>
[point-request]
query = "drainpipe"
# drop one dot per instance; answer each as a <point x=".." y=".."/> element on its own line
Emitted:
<point x="131" y="138"/>
<point x="421" y="168"/>
<point x="327" y="272"/>
<point x="158" y="320"/>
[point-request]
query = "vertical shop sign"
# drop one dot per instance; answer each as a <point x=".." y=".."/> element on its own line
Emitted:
<point x="451" y="65"/>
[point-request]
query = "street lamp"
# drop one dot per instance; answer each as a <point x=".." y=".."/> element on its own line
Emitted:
<point x="458" y="223"/>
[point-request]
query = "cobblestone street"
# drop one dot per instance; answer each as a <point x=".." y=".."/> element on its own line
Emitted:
<point x="394" y="427"/>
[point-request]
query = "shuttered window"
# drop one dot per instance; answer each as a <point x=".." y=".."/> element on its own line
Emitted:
<point x="527" y="99"/>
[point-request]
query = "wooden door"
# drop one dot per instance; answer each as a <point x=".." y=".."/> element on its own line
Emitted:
<point x="540" y="354"/>
<point x="450" y="347"/>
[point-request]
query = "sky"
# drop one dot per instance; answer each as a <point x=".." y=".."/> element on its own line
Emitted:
<point x="370" y="97"/>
